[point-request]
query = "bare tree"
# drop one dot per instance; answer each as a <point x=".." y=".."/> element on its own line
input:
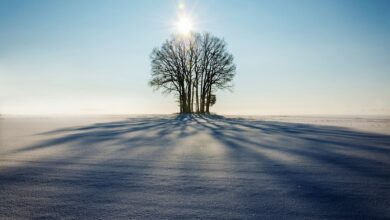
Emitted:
<point x="192" y="67"/>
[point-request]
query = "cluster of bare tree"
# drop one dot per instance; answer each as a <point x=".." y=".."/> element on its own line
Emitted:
<point x="192" y="67"/>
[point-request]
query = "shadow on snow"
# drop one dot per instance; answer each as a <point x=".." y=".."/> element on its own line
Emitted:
<point x="268" y="169"/>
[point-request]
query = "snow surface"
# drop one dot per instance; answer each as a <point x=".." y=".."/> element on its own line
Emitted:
<point x="215" y="167"/>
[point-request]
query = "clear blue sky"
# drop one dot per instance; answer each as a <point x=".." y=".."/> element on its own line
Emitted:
<point x="293" y="57"/>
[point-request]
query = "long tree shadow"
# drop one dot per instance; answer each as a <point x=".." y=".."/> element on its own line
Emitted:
<point x="125" y="169"/>
<point x="113" y="131"/>
<point x="315" y="147"/>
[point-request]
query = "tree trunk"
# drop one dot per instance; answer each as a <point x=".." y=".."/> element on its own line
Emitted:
<point x="180" y="102"/>
<point x="184" y="100"/>
<point x="189" y="98"/>
<point x="202" y="99"/>
<point x="197" y="99"/>
<point x="208" y="100"/>
<point x="192" y="99"/>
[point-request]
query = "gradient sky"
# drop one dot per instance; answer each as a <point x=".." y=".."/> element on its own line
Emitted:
<point x="293" y="57"/>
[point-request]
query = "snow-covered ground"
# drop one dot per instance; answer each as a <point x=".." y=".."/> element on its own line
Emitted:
<point x="174" y="167"/>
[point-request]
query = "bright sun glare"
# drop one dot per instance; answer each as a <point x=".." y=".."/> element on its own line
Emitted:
<point x="184" y="25"/>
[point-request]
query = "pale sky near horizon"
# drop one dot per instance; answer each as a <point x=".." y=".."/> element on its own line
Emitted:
<point x="293" y="57"/>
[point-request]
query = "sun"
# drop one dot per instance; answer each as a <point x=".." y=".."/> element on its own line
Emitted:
<point x="184" y="25"/>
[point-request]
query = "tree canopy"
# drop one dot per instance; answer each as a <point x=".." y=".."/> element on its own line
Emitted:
<point x="192" y="67"/>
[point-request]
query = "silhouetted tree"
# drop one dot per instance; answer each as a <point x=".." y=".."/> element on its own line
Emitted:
<point x="192" y="67"/>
